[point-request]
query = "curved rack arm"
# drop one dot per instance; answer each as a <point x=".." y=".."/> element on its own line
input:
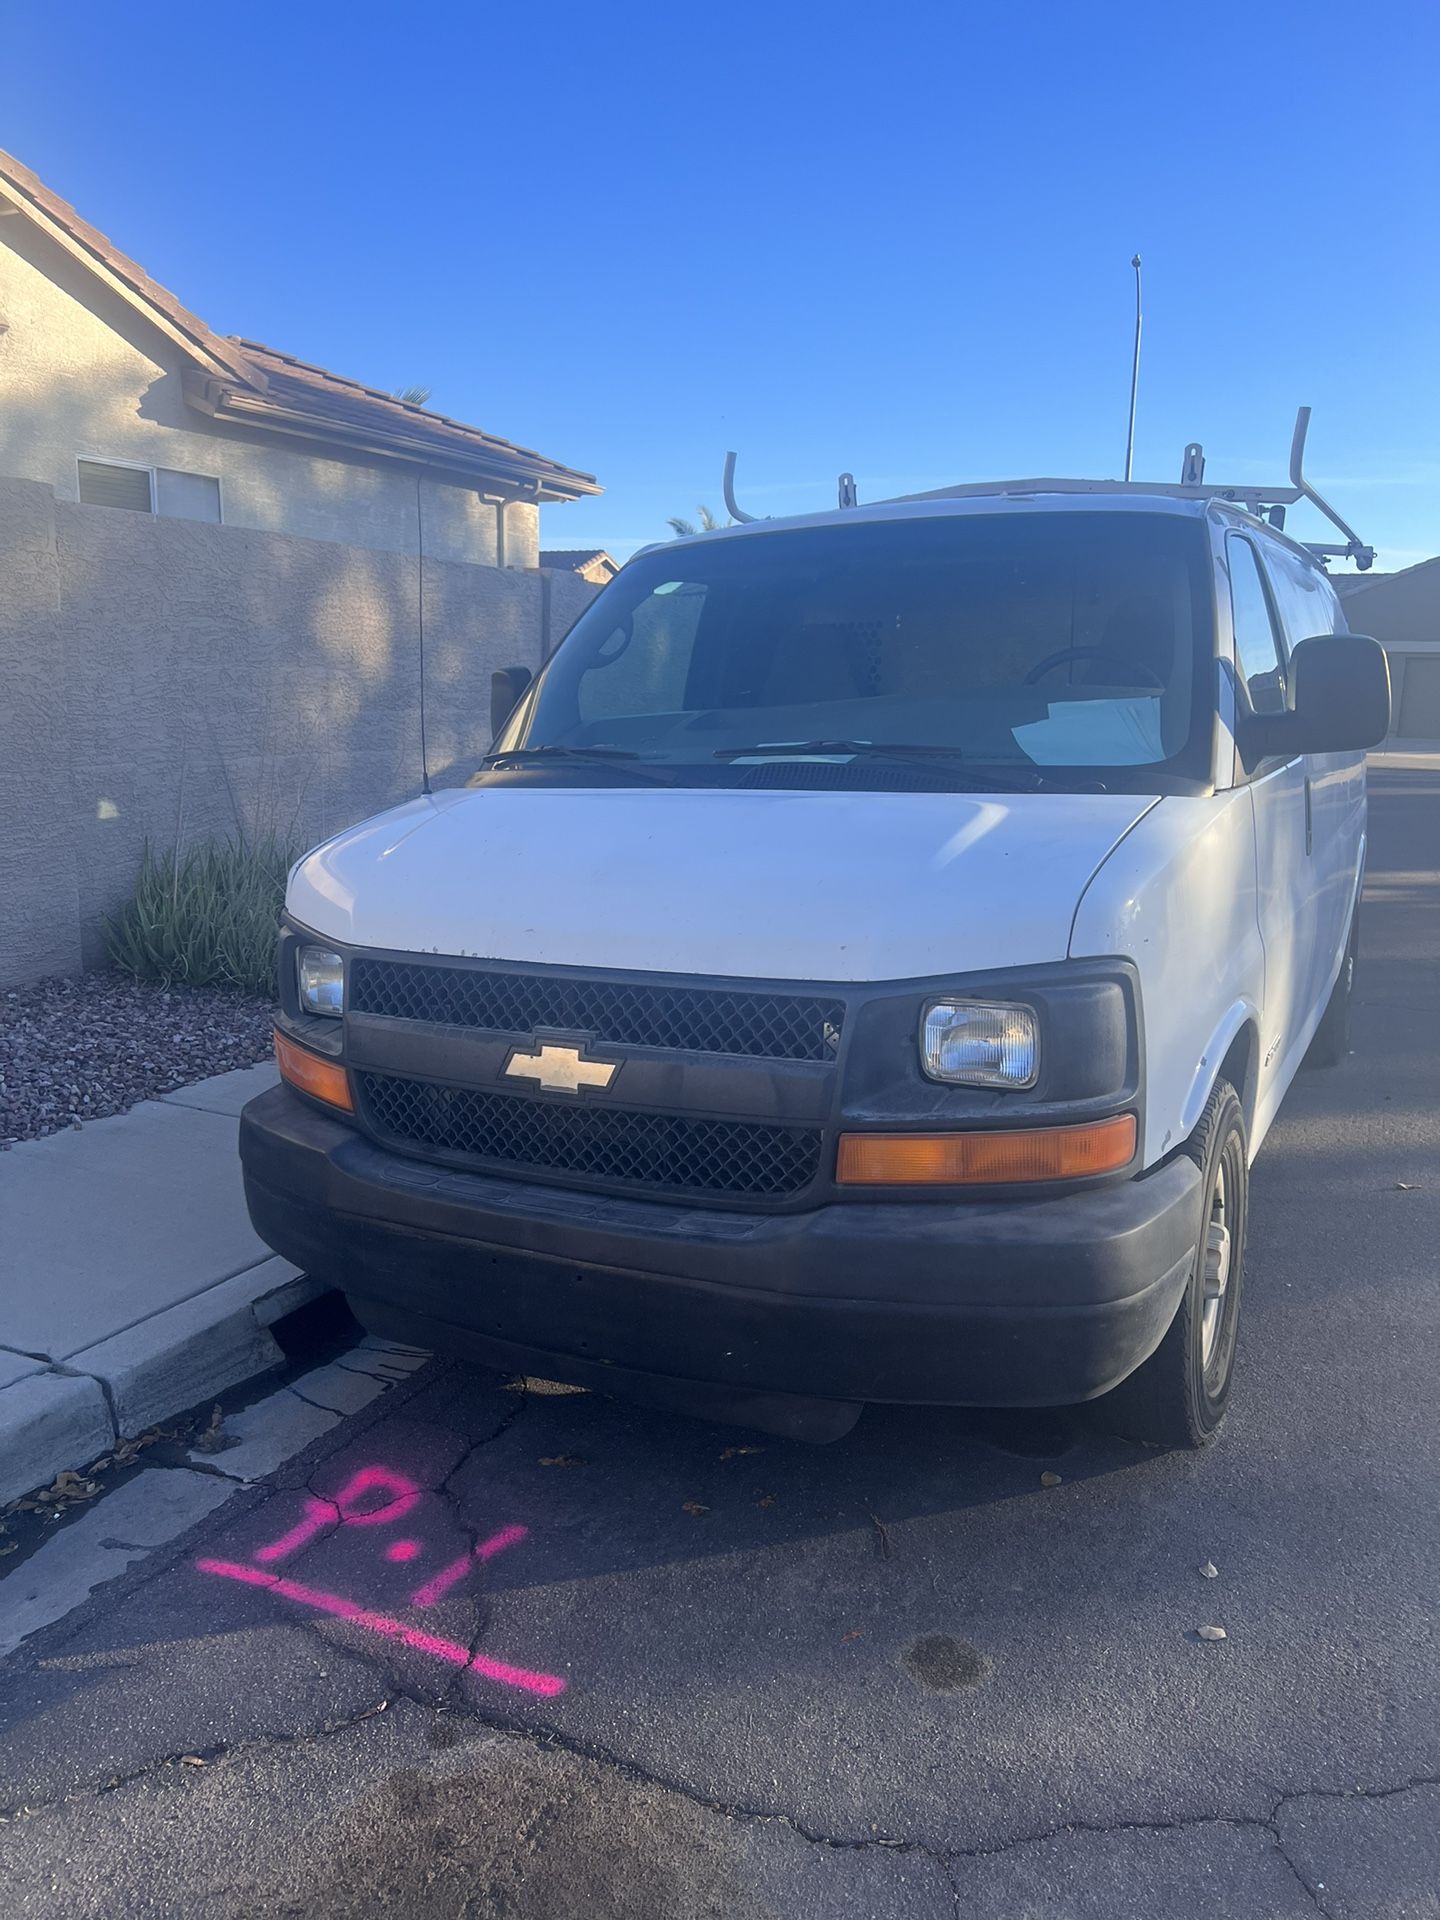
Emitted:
<point x="728" y="486"/>
<point x="1355" y="548"/>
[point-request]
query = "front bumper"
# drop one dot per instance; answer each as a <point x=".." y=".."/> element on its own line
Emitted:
<point x="1030" y="1302"/>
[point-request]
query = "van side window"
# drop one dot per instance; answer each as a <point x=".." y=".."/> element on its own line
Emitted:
<point x="1304" y="598"/>
<point x="1258" y="654"/>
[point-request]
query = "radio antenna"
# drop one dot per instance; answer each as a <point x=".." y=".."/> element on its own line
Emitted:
<point x="1134" y="375"/>
<point x="420" y="615"/>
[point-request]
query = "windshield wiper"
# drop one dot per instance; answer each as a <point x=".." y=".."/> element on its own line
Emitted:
<point x="802" y="749"/>
<point x="951" y="758"/>
<point x="526" y="755"/>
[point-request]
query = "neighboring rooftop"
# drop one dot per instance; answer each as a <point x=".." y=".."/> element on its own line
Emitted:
<point x="591" y="563"/>
<point x="249" y="384"/>
<point x="1425" y="574"/>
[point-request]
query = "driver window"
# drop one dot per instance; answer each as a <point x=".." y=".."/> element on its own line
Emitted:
<point x="1258" y="658"/>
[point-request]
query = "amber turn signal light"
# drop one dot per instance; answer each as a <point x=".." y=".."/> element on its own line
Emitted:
<point x="322" y="1079"/>
<point x="985" y="1159"/>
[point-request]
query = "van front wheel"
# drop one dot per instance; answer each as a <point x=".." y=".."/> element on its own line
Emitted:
<point x="1177" y="1398"/>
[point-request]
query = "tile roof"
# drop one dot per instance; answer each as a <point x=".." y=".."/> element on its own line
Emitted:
<point x="301" y="391"/>
<point x="247" y="383"/>
<point x="29" y="192"/>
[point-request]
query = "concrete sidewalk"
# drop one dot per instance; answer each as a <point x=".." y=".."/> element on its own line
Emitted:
<point x="131" y="1284"/>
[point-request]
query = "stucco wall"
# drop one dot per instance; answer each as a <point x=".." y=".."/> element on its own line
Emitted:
<point x="165" y="679"/>
<point x="81" y="373"/>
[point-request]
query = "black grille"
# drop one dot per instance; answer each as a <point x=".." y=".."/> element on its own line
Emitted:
<point x="695" y="1019"/>
<point x="598" y="1143"/>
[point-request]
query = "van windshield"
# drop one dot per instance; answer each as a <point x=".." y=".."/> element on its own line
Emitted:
<point x="1038" y="648"/>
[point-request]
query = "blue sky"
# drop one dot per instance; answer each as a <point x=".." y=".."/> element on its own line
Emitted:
<point x="889" y="239"/>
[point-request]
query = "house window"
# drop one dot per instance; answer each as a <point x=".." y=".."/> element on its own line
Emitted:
<point x="187" y="496"/>
<point x="105" y="485"/>
<point x="163" y="490"/>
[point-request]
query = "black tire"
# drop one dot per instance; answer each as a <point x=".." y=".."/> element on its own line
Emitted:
<point x="1178" y="1397"/>
<point x="1332" y="1037"/>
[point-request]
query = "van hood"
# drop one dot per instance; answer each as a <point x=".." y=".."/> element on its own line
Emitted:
<point x="763" y="885"/>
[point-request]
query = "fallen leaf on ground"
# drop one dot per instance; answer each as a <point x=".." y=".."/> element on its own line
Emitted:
<point x="130" y="1450"/>
<point x="561" y="1460"/>
<point x="191" y="1760"/>
<point x="1050" y="1480"/>
<point x="733" y="1453"/>
<point x="766" y="1500"/>
<point x="882" y="1537"/>
<point x="64" y="1490"/>
<point x="1211" y="1633"/>
<point x="855" y="1633"/>
<point x="213" y="1440"/>
<point x="694" y="1508"/>
<point x="1210" y="1570"/>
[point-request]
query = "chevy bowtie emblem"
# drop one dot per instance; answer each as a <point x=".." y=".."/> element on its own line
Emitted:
<point x="560" y="1069"/>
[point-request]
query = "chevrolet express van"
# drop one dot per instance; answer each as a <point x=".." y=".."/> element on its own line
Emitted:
<point x="864" y="968"/>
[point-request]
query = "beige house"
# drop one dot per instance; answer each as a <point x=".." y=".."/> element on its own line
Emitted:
<point x="113" y="394"/>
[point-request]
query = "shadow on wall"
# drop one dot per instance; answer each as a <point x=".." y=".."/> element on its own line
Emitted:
<point x="171" y="680"/>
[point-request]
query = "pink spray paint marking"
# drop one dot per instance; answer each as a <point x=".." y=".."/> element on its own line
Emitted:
<point x="437" y="1588"/>
<point x="403" y="1494"/>
<point x="320" y="1514"/>
<point x="450" y="1651"/>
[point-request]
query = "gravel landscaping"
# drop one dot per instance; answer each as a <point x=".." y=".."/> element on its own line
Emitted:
<point x="73" y="1050"/>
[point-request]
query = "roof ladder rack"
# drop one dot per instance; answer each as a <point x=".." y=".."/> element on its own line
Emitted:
<point x="1354" y="547"/>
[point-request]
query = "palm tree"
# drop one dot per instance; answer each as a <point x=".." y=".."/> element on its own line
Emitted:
<point x="707" y="523"/>
<point x="412" y="396"/>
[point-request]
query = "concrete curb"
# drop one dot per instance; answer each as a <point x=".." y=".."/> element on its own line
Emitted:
<point x="49" y="1421"/>
<point x="145" y="1216"/>
<point x="52" y="1418"/>
<point x="176" y="1358"/>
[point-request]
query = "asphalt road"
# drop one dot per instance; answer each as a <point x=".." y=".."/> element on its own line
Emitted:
<point x="896" y="1676"/>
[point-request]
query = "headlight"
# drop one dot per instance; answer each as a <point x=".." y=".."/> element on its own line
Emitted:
<point x="980" y="1043"/>
<point x="321" y="980"/>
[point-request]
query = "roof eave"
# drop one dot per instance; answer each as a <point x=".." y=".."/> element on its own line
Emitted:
<point x="223" y="400"/>
<point x="207" y="350"/>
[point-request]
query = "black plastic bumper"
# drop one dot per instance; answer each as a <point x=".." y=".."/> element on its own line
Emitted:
<point x="1023" y="1304"/>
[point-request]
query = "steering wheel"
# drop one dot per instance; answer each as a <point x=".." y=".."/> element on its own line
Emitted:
<point x="1141" y="675"/>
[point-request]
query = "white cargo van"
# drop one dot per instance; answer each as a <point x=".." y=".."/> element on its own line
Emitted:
<point x="864" y="969"/>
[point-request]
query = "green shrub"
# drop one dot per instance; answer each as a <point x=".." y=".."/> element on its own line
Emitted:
<point x="206" y="917"/>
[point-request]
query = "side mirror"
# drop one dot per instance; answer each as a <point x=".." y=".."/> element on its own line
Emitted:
<point x="507" y="684"/>
<point x="1340" y="701"/>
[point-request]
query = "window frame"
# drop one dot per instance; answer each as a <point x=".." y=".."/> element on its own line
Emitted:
<point x="99" y="460"/>
<point x="139" y="466"/>
<point x="1278" y="636"/>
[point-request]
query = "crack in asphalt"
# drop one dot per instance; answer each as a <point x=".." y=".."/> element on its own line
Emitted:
<point x="318" y="1405"/>
<point x="207" y="1756"/>
<point x="445" y="1493"/>
<point x="551" y="1739"/>
<point x="596" y="1754"/>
